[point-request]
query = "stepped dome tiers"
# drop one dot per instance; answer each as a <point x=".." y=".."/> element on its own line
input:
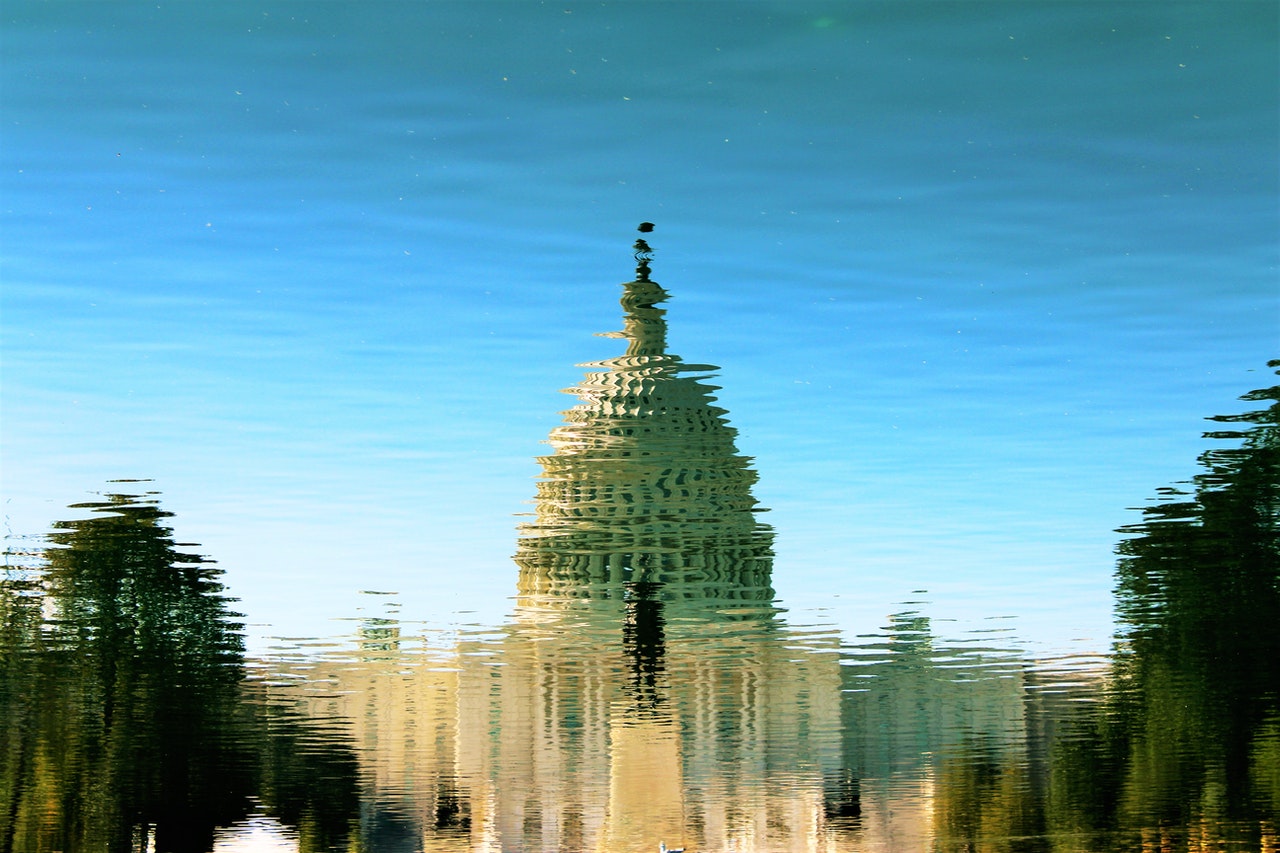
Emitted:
<point x="645" y="484"/>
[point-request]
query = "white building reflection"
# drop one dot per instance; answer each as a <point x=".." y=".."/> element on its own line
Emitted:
<point x="646" y="690"/>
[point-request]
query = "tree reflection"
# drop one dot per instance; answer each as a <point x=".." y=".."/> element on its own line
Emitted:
<point x="1176" y="749"/>
<point x="309" y="776"/>
<point x="121" y="691"/>
<point x="1198" y="596"/>
<point x="1185" y="745"/>
<point x="127" y="724"/>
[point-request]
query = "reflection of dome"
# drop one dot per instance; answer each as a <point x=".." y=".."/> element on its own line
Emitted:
<point x="646" y="689"/>
<point x="646" y="483"/>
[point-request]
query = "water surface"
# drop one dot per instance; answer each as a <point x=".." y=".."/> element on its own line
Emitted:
<point x="974" y="275"/>
<point x="647" y="686"/>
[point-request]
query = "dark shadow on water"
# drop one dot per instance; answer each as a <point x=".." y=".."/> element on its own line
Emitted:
<point x="127" y="721"/>
<point x="121" y="691"/>
<point x="1185" y="745"/>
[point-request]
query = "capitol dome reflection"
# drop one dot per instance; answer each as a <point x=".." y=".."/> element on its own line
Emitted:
<point x="646" y="688"/>
<point x="647" y="682"/>
<point x="646" y="484"/>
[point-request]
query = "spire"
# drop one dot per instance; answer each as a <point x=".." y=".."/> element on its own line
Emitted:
<point x="644" y="326"/>
<point x="644" y="253"/>
<point x="645" y="484"/>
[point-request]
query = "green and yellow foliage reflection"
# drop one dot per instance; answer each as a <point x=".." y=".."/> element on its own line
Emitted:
<point x="127" y="723"/>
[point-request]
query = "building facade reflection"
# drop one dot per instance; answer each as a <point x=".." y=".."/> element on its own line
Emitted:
<point x="646" y="690"/>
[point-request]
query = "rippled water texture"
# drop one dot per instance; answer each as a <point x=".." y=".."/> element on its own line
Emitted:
<point x="298" y="282"/>
<point x="646" y="689"/>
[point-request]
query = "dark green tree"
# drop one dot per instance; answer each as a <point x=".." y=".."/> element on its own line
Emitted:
<point x="1198" y="594"/>
<point x="309" y="778"/>
<point x="122" y="670"/>
<point x="21" y="661"/>
<point x="1180" y="749"/>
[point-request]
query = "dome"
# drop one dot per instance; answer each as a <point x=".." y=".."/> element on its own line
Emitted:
<point x="645" y="483"/>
